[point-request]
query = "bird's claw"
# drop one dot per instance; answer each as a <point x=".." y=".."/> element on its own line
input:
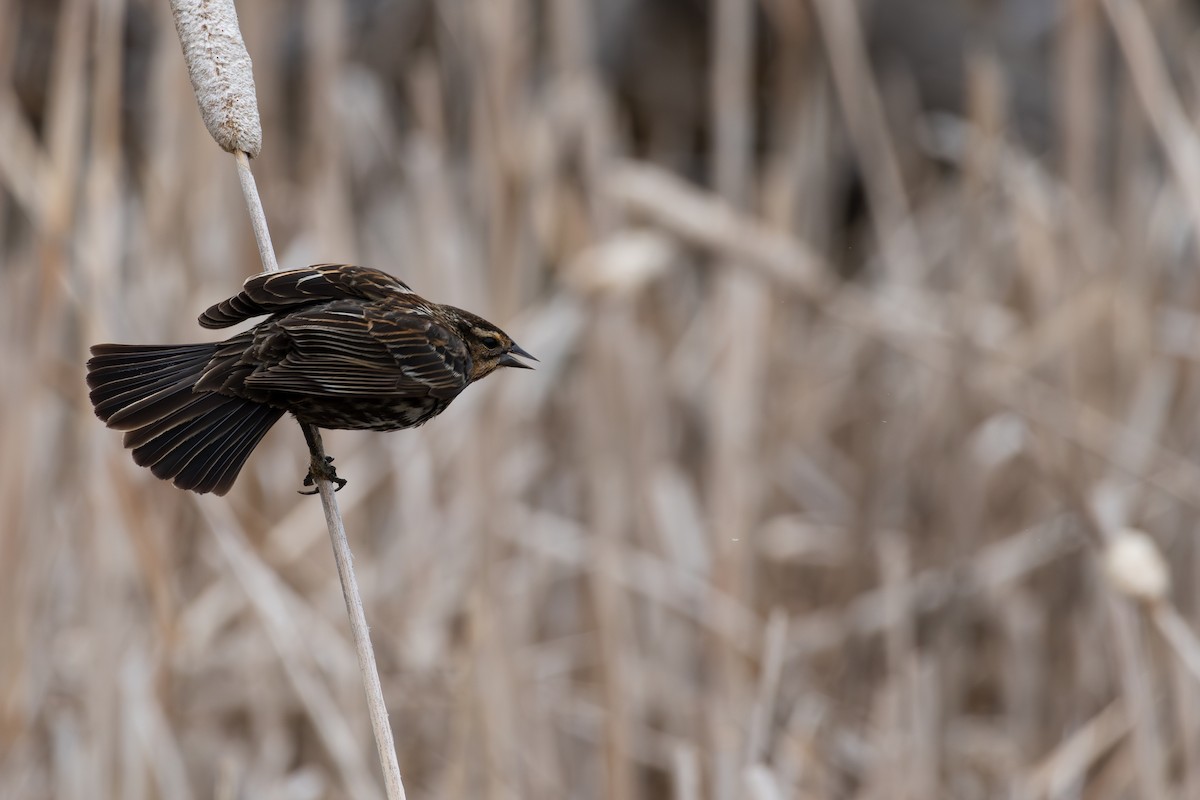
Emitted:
<point x="323" y="470"/>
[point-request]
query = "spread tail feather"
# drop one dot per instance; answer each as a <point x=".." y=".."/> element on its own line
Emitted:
<point x="198" y="440"/>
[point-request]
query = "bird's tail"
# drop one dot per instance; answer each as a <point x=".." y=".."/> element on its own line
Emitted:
<point x="199" y="440"/>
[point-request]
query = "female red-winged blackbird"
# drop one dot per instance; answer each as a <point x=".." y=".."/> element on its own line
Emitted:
<point x="343" y="347"/>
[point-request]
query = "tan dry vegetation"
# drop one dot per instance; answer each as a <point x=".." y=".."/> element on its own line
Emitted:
<point x="801" y="503"/>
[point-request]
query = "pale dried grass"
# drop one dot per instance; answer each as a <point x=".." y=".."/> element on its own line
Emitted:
<point x="749" y="531"/>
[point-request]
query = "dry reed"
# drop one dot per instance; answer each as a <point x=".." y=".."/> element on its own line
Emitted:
<point x="856" y="376"/>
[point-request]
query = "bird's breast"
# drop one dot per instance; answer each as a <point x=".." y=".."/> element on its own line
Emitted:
<point x="365" y="413"/>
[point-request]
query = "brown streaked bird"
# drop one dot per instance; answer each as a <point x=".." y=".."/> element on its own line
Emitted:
<point x="343" y="347"/>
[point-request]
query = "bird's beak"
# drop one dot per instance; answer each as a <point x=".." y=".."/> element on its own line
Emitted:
<point x="509" y="358"/>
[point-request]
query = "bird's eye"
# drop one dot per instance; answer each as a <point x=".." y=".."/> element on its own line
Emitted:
<point x="490" y="342"/>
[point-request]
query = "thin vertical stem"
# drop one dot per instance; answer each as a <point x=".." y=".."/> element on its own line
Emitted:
<point x="220" y="70"/>
<point x="258" y="218"/>
<point x="342" y="554"/>
<point x="358" y="618"/>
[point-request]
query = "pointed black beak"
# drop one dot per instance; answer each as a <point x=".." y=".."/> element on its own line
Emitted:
<point x="509" y="358"/>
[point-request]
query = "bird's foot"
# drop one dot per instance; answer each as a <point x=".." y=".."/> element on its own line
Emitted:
<point x="322" y="469"/>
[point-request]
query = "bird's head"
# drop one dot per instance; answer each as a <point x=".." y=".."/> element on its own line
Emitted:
<point x="490" y="347"/>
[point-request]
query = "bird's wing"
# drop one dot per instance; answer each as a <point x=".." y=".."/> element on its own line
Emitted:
<point x="349" y="349"/>
<point x="272" y="292"/>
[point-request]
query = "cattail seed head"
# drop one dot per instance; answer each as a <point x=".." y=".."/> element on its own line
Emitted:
<point x="220" y="71"/>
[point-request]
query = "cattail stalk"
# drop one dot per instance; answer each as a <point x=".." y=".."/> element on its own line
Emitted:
<point x="258" y="217"/>
<point x="221" y="75"/>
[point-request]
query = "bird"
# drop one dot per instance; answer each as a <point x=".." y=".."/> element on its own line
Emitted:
<point x="342" y="347"/>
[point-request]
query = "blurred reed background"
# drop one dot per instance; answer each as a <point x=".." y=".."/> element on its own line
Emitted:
<point x="863" y="327"/>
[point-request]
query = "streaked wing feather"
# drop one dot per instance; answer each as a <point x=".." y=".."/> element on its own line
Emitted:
<point x="337" y="351"/>
<point x="273" y="292"/>
<point x="426" y="352"/>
